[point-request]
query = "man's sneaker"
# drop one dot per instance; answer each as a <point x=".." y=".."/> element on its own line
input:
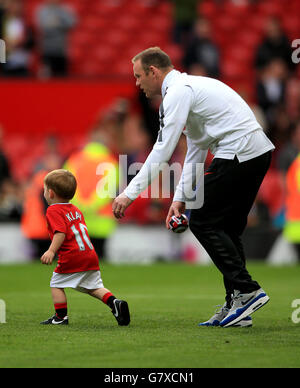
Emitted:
<point x="121" y="312"/>
<point x="221" y="314"/>
<point x="245" y="322"/>
<point x="56" y="321"/>
<point x="216" y="318"/>
<point x="244" y="305"/>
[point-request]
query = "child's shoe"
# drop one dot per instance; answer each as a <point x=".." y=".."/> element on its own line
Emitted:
<point x="56" y="321"/>
<point x="121" y="312"/>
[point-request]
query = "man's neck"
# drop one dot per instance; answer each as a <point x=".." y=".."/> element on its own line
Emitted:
<point x="164" y="79"/>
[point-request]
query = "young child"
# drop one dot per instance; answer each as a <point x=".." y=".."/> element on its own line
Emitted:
<point x="78" y="264"/>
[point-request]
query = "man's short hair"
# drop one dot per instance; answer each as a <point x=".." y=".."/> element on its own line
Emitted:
<point x="62" y="182"/>
<point x="153" y="56"/>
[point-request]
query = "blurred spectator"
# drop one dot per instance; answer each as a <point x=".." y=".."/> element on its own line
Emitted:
<point x="96" y="170"/>
<point x="291" y="229"/>
<point x="184" y="16"/>
<point x="202" y="52"/>
<point x="285" y="156"/>
<point x="33" y="215"/>
<point x="275" y="45"/>
<point x="293" y="99"/>
<point x="50" y="154"/>
<point x="271" y="88"/>
<point x="150" y="108"/>
<point x="34" y="208"/>
<point x="136" y="140"/>
<point x="109" y="127"/>
<point x="289" y="151"/>
<point x="19" y="40"/>
<point x="2" y="12"/>
<point x="256" y="109"/>
<point x="10" y="193"/>
<point x="11" y="202"/>
<point x="4" y="164"/>
<point x="54" y="22"/>
<point x="281" y="129"/>
<point x="270" y="207"/>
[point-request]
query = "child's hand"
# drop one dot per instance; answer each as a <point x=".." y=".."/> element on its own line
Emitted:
<point x="47" y="257"/>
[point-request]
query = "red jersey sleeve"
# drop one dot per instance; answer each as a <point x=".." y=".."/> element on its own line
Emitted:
<point x="55" y="221"/>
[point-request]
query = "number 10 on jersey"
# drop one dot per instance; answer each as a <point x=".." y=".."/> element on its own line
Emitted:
<point x="81" y="234"/>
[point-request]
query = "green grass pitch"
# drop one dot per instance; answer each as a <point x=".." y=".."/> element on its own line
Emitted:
<point x="166" y="302"/>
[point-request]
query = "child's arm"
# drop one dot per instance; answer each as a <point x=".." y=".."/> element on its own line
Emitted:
<point x="57" y="241"/>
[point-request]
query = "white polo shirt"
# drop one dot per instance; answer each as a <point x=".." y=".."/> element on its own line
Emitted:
<point x="212" y="116"/>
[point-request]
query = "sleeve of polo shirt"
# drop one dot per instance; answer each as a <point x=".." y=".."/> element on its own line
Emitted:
<point x="192" y="172"/>
<point x="173" y="116"/>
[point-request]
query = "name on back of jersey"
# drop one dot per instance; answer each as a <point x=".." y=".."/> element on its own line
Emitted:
<point x="71" y="217"/>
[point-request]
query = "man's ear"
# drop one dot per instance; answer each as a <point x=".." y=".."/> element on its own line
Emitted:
<point x="153" y="70"/>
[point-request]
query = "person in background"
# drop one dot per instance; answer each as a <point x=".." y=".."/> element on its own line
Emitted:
<point x="11" y="194"/>
<point x="201" y="51"/>
<point x="2" y="13"/>
<point x="289" y="152"/>
<point x="54" y="22"/>
<point x="35" y="206"/>
<point x="19" y="40"/>
<point x="275" y="45"/>
<point x="86" y="164"/>
<point x="270" y="89"/>
<point x="5" y="173"/>
<point x="184" y="16"/>
<point x="291" y="229"/>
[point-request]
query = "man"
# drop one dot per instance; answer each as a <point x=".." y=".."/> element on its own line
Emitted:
<point x="213" y="117"/>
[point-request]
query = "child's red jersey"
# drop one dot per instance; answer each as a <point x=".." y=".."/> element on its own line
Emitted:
<point x="77" y="253"/>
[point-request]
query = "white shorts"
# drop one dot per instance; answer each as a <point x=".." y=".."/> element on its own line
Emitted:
<point x="80" y="281"/>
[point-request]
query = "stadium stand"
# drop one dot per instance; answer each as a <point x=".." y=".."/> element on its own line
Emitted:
<point x="110" y="32"/>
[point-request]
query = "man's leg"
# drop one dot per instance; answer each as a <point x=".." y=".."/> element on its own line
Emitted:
<point x="230" y="189"/>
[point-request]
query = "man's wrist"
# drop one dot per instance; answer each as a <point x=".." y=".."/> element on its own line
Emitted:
<point x="125" y="192"/>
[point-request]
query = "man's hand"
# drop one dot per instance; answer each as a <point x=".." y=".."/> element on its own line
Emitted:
<point x="176" y="209"/>
<point x="47" y="257"/>
<point x="120" y="204"/>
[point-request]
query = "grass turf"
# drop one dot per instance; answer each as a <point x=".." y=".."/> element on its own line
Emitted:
<point x="166" y="302"/>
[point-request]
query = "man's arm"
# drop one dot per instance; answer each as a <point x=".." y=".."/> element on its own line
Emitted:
<point x="194" y="157"/>
<point x="176" y="107"/>
<point x="187" y="180"/>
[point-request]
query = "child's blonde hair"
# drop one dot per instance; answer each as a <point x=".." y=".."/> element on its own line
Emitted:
<point x="62" y="182"/>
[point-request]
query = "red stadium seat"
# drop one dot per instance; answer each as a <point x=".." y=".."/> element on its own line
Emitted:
<point x="270" y="7"/>
<point x="208" y="9"/>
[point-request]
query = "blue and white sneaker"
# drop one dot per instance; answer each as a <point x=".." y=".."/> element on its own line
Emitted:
<point x="221" y="314"/>
<point x="245" y="322"/>
<point x="244" y="305"/>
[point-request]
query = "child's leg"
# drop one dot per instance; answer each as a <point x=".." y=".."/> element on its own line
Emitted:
<point x="119" y="308"/>
<point x="103" y="294"/>
<point x="60" y="301"/>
